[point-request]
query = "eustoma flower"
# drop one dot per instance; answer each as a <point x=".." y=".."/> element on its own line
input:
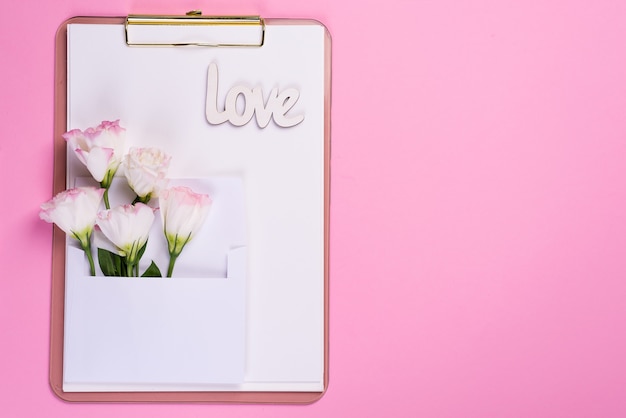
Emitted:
<point x="145" y="169"/>
<point x="183" y="212"/>
<point x="75" y="211"/>
<point x="100" y="149"/>
<point x="127" y="227"/>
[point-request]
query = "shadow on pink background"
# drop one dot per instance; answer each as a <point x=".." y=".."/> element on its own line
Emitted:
<point x="478" y="208"/>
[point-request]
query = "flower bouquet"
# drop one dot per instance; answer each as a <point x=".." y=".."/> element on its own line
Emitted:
<point x="78" y="211"/>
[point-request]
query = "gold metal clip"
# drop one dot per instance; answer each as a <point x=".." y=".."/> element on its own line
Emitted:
<point x="195" y="29"/>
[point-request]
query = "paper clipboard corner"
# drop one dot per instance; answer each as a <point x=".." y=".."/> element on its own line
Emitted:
<point x="57" y="390"/>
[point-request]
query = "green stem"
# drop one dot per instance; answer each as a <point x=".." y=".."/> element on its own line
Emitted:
<point x="129" y="270"/>
<point x="106" y="198"/>
<point x="92" y="267"/>
<point x="170" y="268"/>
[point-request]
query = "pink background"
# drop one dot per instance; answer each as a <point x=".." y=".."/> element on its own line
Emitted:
<point x="478" y="208"/>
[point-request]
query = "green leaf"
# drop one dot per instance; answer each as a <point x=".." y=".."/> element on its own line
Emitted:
<point x="152" y="271"/>
<point x="110" y="263"/>
<point x="141" y="251"/>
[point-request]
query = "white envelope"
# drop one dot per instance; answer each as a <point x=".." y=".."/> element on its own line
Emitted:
<point x="164" y="333"/>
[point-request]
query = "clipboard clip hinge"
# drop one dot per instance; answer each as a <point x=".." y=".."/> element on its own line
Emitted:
<point x="195" y="29"/>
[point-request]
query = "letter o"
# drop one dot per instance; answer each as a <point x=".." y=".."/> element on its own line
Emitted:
<point x="230" y="105"/>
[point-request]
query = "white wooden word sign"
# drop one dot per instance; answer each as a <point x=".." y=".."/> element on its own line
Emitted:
<point x="276" y="107"/>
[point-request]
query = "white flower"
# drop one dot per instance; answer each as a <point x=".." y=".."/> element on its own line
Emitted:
<point x="100" y="149"/>
<point x="127" y="227"/>
<point x="145" y="169"/>
<point x="183" y="212"/>
<point x="74" y="211"/>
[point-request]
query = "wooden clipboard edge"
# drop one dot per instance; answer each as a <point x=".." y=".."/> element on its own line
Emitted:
<point x="58" y="250"/>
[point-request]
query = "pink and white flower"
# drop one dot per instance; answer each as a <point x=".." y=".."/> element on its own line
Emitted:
<point x="127" y="227"/>
<point x="100" y="149"/>
<point x="183" y="212"/>
<point x="146" y="171"/>
<point x="74" y="211"/>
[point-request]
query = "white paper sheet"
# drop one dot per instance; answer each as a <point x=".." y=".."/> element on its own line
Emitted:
<point x="159" y="95"/>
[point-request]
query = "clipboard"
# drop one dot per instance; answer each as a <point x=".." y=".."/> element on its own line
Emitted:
<point x="167" y="79"/>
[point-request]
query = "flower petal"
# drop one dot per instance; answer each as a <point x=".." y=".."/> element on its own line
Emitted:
<point x="145" y="169"/>
<point x="127" y="227"/>
<point x="89" y="146"/>
<point x="183" y="212"/>
<point x="73" y="210"/>
<point x="98" y="161"/>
